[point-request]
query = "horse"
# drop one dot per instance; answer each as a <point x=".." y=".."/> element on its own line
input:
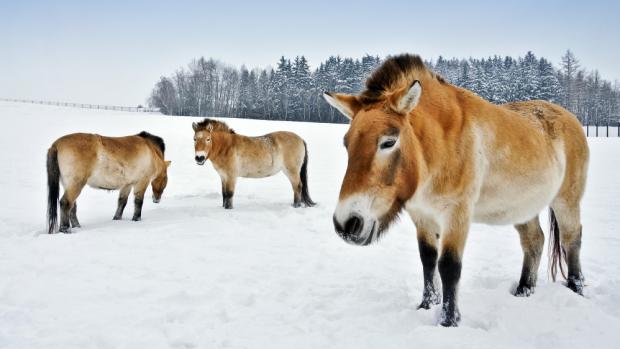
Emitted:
<point x="109" y="163"/>
<point x="449" y="158"/>
<point x="234" y="155"/>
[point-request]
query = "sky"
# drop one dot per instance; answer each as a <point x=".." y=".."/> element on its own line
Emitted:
<point x="113" y="52"/>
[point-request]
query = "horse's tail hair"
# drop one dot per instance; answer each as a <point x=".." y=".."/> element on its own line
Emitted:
<point x="53" y="189"/>
<point x="557" y="255"/>
<point x="303" y="174"/>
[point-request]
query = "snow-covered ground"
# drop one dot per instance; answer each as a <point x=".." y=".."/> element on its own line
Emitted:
<point x="266" y="275"/>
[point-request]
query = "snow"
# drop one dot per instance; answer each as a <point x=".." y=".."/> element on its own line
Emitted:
<point x="193" y="275"/>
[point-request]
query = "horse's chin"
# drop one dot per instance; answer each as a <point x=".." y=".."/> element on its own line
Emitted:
<point x="200" y="163"/>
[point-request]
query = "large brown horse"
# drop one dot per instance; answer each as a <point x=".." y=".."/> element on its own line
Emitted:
<point x="109" y="163"/>
<point x="235" y="156"/>
<point x="450" y="158"/>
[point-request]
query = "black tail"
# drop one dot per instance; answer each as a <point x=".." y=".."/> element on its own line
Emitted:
<point x="53" y="190"/>
<point x="303" y="174"/>
<point x="557" y="255"/>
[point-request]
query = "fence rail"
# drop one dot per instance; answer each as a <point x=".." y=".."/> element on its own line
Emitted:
<point x="84" y="105"/>
<point x="608" y="130"/>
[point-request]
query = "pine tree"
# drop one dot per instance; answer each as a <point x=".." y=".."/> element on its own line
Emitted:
<point x="570" y="67"/>
<point x="549" y="85"/>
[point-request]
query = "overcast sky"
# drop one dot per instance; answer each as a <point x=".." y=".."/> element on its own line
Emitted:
<point x="112" y="52"/>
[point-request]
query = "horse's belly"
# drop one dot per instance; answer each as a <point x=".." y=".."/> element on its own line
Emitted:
<point x="517" y="200"/>
<point x="111" y="174"/>
<point x="113" y="177"/>
<point x="259" y="167"/>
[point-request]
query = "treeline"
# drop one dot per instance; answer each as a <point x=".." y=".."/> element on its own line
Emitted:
<point x="292" y="91"/>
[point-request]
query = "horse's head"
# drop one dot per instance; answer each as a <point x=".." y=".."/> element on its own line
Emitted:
<point x="159" y="183"/>
<point x="381" y="173"/>
<point x="202" y="143"/>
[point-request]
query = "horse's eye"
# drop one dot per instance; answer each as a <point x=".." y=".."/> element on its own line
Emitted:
<point x="388" y="144"/>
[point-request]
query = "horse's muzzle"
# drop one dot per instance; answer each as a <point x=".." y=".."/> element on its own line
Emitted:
<point x="351" y="230"/>
<point x="200" y="159"/>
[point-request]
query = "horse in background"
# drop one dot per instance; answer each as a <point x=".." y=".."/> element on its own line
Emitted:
<point x="234" y="155"/>
<point x="450" y="158"/>
<point x="109" y="163"/>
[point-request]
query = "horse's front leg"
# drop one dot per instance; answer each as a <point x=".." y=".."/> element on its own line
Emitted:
<point x="138" y="193"/>
<point x="427" y="245"/>
<point x="450" y="263"/>
<point x="228" y="190"/>
<point x="122" y="202"/>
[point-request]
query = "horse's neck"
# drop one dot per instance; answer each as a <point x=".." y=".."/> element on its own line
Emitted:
<point x="222" y="147"/>
<point x="157" y="157"/>
<point x="441" y="121"/>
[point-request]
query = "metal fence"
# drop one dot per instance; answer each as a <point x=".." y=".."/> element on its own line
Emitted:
<point x="609" y="130"/>
<point x="138" y="109"/>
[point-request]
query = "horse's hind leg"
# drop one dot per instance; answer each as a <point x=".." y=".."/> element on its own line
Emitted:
<point x="569" y="222"/>
<point x="73" y="218"/>
<point x="293" y="177"/>
<point x="122" y="202"/>
<point x="532" y="241"/>
<point x="67" y="202"/>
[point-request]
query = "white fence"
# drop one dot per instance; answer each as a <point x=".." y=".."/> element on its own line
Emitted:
<point x="84" y="105"/>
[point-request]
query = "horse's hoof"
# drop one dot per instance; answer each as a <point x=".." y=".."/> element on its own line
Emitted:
<point x="575" y="284"/>
<point x="117" y="218"/>
<point x="424" y="305"/>
<point x="450" y="320"/>
<point x="449" y="323"/>
<point x="65" y="231"/>
<point x="136" y="219"/>
<point x="523" y="291"/>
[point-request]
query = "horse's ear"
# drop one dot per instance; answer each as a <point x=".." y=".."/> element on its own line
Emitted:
<point x="348" y="105"/>
<point x="168" y="163"/>
<point x="210" y="127"/>
<point x="405" y="103"/>
<point x="195" y="126"/>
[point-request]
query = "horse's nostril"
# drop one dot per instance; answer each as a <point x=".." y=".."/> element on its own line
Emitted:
<point x="199" y="158"/>
<point x="353" y="226"/>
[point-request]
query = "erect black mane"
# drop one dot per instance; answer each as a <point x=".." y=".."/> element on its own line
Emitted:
<point x="215" y="124"/>
<point x="158" y="141"/>
<point x="391" y="73"/>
